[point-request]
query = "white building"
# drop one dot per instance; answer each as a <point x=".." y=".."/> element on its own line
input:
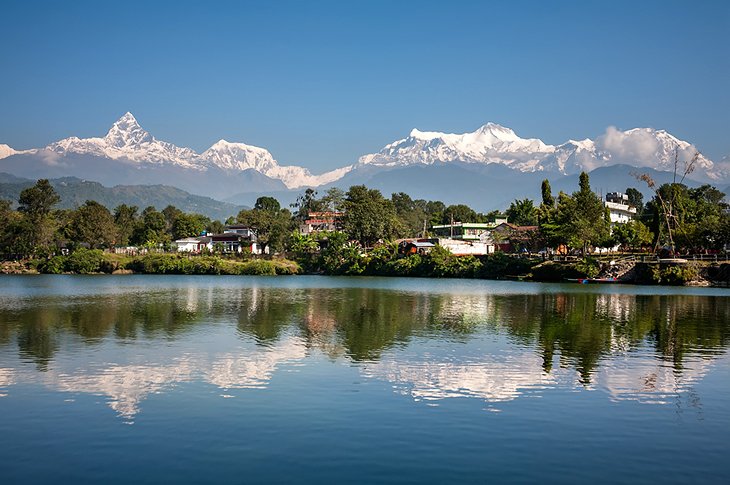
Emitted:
<point x="241" y="230"/>
<point x="193" y="244"/>
<point x="618" y="206"/>
<point x="464" y="248"/>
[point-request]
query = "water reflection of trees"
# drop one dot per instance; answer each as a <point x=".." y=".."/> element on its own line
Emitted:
<point x="574" y="330"/>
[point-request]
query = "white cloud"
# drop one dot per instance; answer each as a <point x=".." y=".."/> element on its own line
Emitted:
<point x="629" y="146"/>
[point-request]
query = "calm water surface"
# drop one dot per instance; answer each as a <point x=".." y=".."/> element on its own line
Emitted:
<point x="147" y="379"/>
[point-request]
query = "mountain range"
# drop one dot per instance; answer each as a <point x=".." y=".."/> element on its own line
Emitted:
<point x="489" y="166"/>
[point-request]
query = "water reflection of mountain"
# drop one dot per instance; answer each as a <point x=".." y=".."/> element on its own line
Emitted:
<point x="585" y="339"/>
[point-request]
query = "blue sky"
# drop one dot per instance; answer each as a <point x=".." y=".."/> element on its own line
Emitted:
<point x="321" y="83"/>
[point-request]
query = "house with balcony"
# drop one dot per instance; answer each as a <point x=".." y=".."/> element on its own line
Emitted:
<point x="321" y="222"/>
<point x="619" y="209"/>
<point x="467" y="231"/>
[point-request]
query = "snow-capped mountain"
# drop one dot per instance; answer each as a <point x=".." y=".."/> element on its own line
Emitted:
<point x="127" y="141"/>
<point x="492" y="143"/>
<point x="6" y="151"/>
<point x="490" y="156"/>
<point x="239" y="156"/>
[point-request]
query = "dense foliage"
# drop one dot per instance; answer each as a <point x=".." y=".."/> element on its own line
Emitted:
<point x="71" y="240"/>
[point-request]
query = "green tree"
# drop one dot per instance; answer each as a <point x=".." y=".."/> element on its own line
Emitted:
<point x="268" y="204"/>
<point x="5" y="211"/>
<point x="39" y="225"/>
<point x="271" y="224"/>
<point x="93" y="224"/>
<point x="636" y="200"/>
<point x="460" y="213"/>
<point x="435" y="210"/>
<point x="37" y="201"/>
<point x="188" y="225"/>
<point x="333" y="199"/>
<point x="152" y="231"/>
<point x="306" y="203"/>
<point x="632" y="235"/>
<point x="215" y="227"/>
<point x="547" y="195"/>
<point x="522" y="213"/>
<point x="554" y="222"/>
<point x="369" y="217"/>
<point x="590" y="224"/>
<point x="411" y="214"/>
<point x="126" y="221"/>
<point x="170" y="213"/>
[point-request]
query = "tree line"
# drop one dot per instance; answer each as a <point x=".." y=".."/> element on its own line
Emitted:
<point x="678" y="216"/>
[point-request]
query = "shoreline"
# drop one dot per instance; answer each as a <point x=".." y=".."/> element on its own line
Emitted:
<point x="715" y="275"/>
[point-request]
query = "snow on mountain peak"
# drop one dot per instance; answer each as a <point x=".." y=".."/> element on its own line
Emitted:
<point x="127" y="140"/>
<point x="126" y="132"/>
<point x="493" y="143"/>
<point x="239" y="156"/>
<point x="488" y="144"/>
<point x="6" y="151"/>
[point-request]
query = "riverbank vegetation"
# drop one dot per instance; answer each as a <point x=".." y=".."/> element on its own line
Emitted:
<point x="678" y="219"/>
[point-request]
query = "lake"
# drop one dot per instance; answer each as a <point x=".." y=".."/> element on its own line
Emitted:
<point x="149" y="379"/>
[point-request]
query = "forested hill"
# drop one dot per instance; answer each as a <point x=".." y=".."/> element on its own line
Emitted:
<point x="74" y="192"/>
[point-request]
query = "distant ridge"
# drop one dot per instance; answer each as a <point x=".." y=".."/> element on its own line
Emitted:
<point x="74" y="192"/>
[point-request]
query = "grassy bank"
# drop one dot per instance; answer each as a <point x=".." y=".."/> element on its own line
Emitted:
<point x="381" y="262"/>
<point x="85" y="261"/>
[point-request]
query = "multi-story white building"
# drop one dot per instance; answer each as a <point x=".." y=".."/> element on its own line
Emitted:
<point x="619" y="208"/>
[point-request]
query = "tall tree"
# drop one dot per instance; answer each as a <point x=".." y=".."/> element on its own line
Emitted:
<point x="547" y="194"/>
<point x="333" y="199"/>
<point x="125" y="219"/>
<point x="38" y="224"/>
<point x="152" y="230"/>
<point x="93" y="224"/>
<point x="590" y="225"/>
<point x="268" y="204"/>
<point x="636" y="198"/>
<point x="369" y="217"/>
<point x="306" y="203"/>
<point x="271" y="224"/>
<point x="411" y="214"/>
<point x="170" y="213"/>
<point x="37" y="201"/>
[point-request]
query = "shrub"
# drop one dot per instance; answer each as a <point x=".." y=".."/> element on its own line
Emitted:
<point x="407" y="266"/>
<point x="85" y="261"/>
<point x="54" y="265"/>
<point x="589" y="267"/>
<point x="258" y="267"/>
<point x="286" y="267"/>
<point x="674" y="275"/>
<point x="443" y="264"/>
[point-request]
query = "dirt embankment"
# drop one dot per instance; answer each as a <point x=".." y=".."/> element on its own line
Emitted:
<point x="17" y="267"/>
